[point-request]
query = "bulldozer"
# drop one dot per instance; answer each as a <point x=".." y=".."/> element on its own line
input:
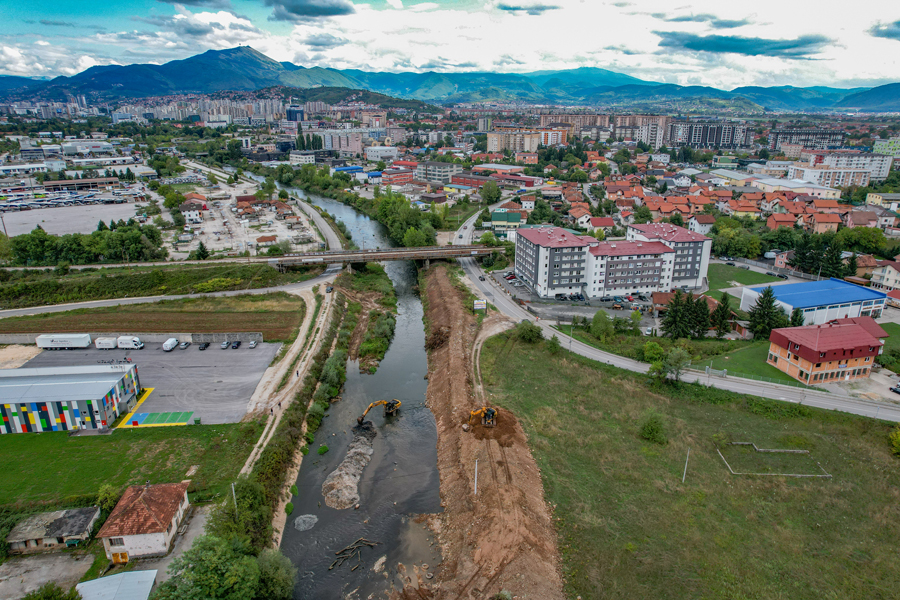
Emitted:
<point x="391" y="407"/>
<point x="488" y="416"/>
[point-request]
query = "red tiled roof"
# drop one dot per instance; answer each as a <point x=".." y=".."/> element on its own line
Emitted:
<point x="578" y="212"/>
<point x="602" y="222"/>
<point x="705" y="219"/>
<point x="266" y="239"/>
<point x="826" y="218"/>
<point x="554" y="237"/>
<point x="669" y="233"/>
<point x="868" y="323"/>
<point x="144" y="509"/>
<point x="620" y="248"/>
<point x="828" y="342"/>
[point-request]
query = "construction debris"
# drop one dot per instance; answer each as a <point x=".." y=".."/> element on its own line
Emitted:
<point x="340" y="488"/>
<point x="350" y="551"/>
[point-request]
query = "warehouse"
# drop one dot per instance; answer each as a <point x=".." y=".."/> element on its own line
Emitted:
<point x="66" y="398"/>
<point x="822" y="301"/>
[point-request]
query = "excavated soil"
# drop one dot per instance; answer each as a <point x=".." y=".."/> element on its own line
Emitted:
<point x="14" y="356"/>
<point x="341" y="487"/>
<point x="503" y="538"/>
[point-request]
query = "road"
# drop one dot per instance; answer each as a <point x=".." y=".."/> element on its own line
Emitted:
<point x="808" y="397"/>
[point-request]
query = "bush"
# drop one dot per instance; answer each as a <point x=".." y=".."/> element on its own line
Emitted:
<point x="322" y="449"/>
<point x="652" y="430"/>
<point x="304" y="450"/>
<point x="529" y="333"/>
<point x="553" y="345"/>
<point x="294" y="489"/>
<point x="288" y="508"/>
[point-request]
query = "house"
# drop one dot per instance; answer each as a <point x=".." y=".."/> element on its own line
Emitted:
<point x="839" y="350"/>
<point x="865" y="264"/>
<point x="780" y="220"/>
<point x="195" y="196"/>
<point x="581" y="216"/>
<point x="820" y="223"/>
<point x="861" y="218"/>
<point x="266" y="240"/>
<point x="741" y="208"/>
<point x="783" y="259"/>
<point x="821" y="205"/>
<point x="886" y="275"/>
<point x="605" y="224"/>
<point x="504" y="220"/>
<point x="144" y="521"/>
<point x="527" y="202"/>
<point x="53" y="530"/>
<point x="701" y="223"/>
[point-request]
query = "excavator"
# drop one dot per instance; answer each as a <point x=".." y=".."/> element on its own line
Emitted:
<point x="488" y="416"/>
<point x="390" y="408"/>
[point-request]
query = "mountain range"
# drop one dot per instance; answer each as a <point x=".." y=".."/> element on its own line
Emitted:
<point x="245" y="69"/>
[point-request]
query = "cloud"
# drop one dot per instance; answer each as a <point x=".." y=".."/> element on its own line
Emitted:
<point x="49" y="23"/>
<point x="506" y="59"/>
<point x="45" y="60"/>
<point x="890" y="31"/>
<point x="714" y="21"/>
<point x="623" y="50"/>
<point x="531" y="9"/>
<point x="324" y="40"/>
<point x="398" y="4"/>
<point x="303" y="10"/>
<point x="201" y="3"/>
<point x="800" y="47"/>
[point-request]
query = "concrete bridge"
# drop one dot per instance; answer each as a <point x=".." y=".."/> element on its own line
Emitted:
<point x="425" y="253"/>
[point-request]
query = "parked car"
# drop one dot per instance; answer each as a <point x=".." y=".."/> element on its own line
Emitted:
<point x="618" y="299"/>
<point x="204" y="346"/>
<point x="184" y="345"/>
<point x="253" y="344"/>
<point x="460" y="236"/>
<point x="781" y="276"/>
<point x="771" y="274"/>
<point x="329" y="289"/>
<point x="235" y="345"/>
<point x="896" y="389"/>
<point x="481" y="278"/>
<point x="649" y="331"/>
<point x="730" y="264"/>
<point x="745" y="267"/>
<point x="606" y="299"/>
<point x="225" y="345"/>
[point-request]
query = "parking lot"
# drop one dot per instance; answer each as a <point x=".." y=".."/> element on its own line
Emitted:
<point x="215" y="384"/>
<point x="68" y="219"/>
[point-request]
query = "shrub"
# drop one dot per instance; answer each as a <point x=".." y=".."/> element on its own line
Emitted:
<point x="894" y="437"/>
<point x="322" y="449"/>
<point x="289" y="508"/>
<point x="652" y="430"/>
<point x="294" y="489"/>
<point x="553" y="345"/>
<point x="304" y="450"/>
<point x="529" y="333"/>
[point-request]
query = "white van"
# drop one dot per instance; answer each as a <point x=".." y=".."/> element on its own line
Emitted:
<point x="769" y="255"/>
<point x="170" y="344"/>
<point x="130" y="342"/>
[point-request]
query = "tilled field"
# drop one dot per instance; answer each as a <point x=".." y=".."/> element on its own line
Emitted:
<point x="502" y="538"/>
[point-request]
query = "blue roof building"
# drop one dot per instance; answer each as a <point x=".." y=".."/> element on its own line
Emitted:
<point x="822" y="301"/>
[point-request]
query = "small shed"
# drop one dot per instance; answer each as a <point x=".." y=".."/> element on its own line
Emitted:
<point x="53" y="530"/>
<point x="133" y="585"/>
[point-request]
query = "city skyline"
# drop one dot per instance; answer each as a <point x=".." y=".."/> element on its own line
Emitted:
<point x="705" y="43"/>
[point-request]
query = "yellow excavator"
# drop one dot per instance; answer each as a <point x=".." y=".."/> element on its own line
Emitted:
<point x="390" y="409"/>
<point x="488" y="416"/>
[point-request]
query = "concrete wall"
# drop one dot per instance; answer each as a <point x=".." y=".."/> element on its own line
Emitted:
<point x="29" y="338"/>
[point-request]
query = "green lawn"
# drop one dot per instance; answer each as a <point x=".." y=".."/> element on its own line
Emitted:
<point x="721" y="276"/>
<point x="629" y="528"/>
<point x="457" y="215"/>
<point x="750" y="360"/>
<point x="890" y="358"/>
<point x="50" y="467"/>
<point x="632" y="346"/>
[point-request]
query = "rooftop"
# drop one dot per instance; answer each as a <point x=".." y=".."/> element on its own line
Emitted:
<point x="57" y="524"/>
<point x="134" y="585"/>
<point x="555" y="237"/>
<point x="668" y="233"/>
<point x="704" y="219"/>
<point x="809" y="294"/>
<point x="59" y="383"/>
<point x="820" y="343"/>
<point x="620" y="248"/>
<point x="144" y="509"/>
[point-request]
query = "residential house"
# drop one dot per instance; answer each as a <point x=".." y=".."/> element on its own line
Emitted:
<point x="53" y="530"/>
<point x="580" y="217"/>
<point x="780" y="220"/>
<point x="741" y="208"/>
<point x="865" y="263"/>
<point x="886" y="275"/>
<point x="783" y="259"/>
<point x="527" y="202"/>
<point x="626" y="217"/>
<point x="839" y="350"/>
<point x="701" y="223"/>
<point x="144" y="521"/>
<point x="604" y="224"/>
<point x="820" y="223"/>
<point x="861" y="218"/>
<point x="505" y="220"/>
<point x="266" y="240"/>
<point x="822" y="205"/>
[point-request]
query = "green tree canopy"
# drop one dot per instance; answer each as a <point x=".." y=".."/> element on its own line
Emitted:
<point x="766" y="315"/>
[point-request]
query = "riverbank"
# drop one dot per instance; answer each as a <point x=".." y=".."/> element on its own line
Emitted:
<point x="502" y="537"/>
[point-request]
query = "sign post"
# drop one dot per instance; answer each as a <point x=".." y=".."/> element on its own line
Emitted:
<point x="480" y="305"/>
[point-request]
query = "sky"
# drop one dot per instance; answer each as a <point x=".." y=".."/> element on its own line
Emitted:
<point x="706" y="42"/>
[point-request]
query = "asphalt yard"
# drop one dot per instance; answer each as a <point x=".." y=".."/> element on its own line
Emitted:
<point x="214" y="385"/>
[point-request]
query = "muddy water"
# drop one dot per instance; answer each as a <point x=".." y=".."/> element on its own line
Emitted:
<point x="402" y="478"/>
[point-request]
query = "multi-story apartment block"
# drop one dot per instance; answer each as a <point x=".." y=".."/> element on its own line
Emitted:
<point x="578" y="121"/>
<point x="808" y="138"/>
<point x="829" y="176"/>
<point x="396" y="177"/>
<point x="712" y="134"/>
<point x="878" y="165"/>
<point x="514" y="141"/>
<point x="691" y="250"/>
<point x="890" y="147"/>
<point x="652" y="134"/>
<point x="554" y="261"/>
<point x="437" y="171"/>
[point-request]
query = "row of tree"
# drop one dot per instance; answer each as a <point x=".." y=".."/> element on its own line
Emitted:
<point x="690" y="317"/>
<point x="118" y="242"/>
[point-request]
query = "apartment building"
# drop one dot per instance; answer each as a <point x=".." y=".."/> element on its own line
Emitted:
<point x="829" y="176"/>
<point x="808" y="138"/>
<point x="889" y="147"/>
<point x="396" y="177"/>
<point x="878" y="165"/>
<point x="692" y="250"/>
<point x="437" y="171"/>
<point x="514" y="141"/>
<point x="578" y="121"/>
<point x="712" y="134"/>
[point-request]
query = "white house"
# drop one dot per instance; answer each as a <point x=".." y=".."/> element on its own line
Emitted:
<point x="145" y="521"/>
<point x="701" y="223"/>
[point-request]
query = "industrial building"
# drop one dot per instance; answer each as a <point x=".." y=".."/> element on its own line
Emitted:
<point x="66" y="398"/>
<point x="822" y="301"/>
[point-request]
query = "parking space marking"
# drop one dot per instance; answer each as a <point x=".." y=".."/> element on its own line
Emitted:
<point x="128" y="417"/>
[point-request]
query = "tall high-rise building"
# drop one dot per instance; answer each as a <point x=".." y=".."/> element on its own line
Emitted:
<point x="294" y="113"/>
<point x="713" y="134"/>
<point x="817" y="139"/>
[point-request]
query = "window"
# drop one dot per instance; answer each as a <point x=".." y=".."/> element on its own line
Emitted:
<point x="116" y="541"/>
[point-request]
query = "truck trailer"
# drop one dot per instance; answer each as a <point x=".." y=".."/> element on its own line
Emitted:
<point x="130" y="342"/>
<point x="105" y="343"/>
<point x="63" y="341"/>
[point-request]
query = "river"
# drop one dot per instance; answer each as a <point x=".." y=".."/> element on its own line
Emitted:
<point x="400" y="482"/>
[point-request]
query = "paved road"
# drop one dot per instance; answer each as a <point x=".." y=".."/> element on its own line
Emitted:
<point x="499" y="298"/>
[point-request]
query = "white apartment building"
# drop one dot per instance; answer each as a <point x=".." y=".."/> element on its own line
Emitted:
<point x="890" y="147"/>
<point x="878" y="165"/>
<point x="515" y="141"/>
<point x="692" y="250"/>
<point x="830" y="176"/>
<point x="376" y="153"/>
<point x="301" y="157"/>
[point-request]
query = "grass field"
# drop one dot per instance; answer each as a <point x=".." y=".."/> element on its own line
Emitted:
<point x="631" y="346"/>
<point x="277" y="316"/>
<point x="890" y="358"/>
<point x="749" y="360"/>
<point x="721" y="276"/>
<point x="629" y="528"/>
<point x="49" y="467"/>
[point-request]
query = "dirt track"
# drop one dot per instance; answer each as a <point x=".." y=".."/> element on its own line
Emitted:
<point x="503" y="538"/>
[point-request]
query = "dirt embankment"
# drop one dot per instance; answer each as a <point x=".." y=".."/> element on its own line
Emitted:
<point x="502" y="538"/>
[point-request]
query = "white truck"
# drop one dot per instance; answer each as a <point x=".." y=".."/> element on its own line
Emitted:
<point x="105" y="343"/>
<point x="170" y="344"/>
<point x="130" y="342"/>
<point x="63" y="341"/>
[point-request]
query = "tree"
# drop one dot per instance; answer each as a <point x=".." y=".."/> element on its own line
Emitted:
<point x="765" y="315"/>
<point x="202" y="252"/>
<point x="699" y="317"/>
<point x="601" y="326"/>
<point x="676" y="361"/>
<point x="833" y="261"/>
<point x="51" y="591"/>
<point x="851" y="266"/>
<point x="414" y="238"/>
<point x="677" y="322"/>
<point x="490" y="192"/>
<point x="529" y="333"/>
<point x="677" y="219"/>
<point x="107" y="497"/>
<point x="653" y="352"/>
<point x="381" y="166"/>
<point x="277" y="575"/>
<point x="213" y="568"/>
<point x="720" y="317"/>
<point x="642" y="214"/>
<point x="213" y="180"/>
<point x="635" y="322"/>
<point x="797" y="318"/>
<point x="553" y="345"/>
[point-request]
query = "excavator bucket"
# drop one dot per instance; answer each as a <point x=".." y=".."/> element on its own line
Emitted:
<point x="391" y="408"/>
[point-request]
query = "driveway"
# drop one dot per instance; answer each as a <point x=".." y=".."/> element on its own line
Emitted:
<point x="195" y="525"/>
<point x="22" y="575"/>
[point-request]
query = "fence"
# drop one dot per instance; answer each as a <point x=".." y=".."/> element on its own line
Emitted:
<point x="727" y="373"/>
<point x="774" y="269"/>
